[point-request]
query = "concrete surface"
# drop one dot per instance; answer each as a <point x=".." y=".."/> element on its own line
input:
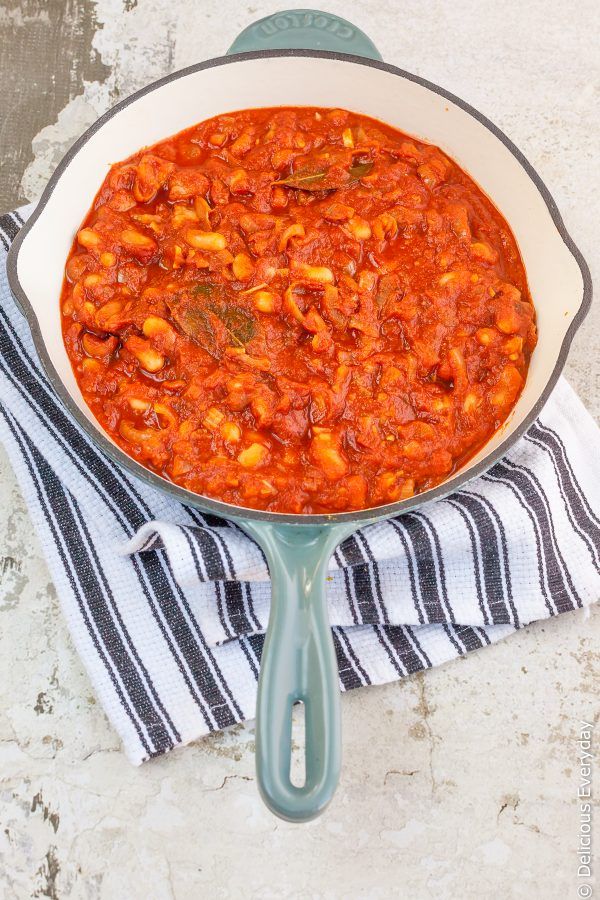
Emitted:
<point x="460" y="783"/>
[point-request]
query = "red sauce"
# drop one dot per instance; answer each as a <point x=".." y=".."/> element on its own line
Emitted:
<point x="301" y="310"/>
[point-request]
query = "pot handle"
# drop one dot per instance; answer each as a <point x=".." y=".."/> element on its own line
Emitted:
<point x="298" y="664"/>
<point x="305" y="29"/>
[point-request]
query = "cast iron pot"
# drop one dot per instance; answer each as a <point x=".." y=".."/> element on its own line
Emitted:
<point x="342" y="68"/>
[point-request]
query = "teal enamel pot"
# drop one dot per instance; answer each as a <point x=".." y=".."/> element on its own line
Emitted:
<point x="303" y="58"/>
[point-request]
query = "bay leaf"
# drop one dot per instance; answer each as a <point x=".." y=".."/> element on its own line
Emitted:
<point x="360" y="169"/>
<point x="305" y="181"/>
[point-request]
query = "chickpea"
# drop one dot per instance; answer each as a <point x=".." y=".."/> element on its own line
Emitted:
<point x="242" y="267"/>
<point x="183" y="215"/>
<point x="413" y="450"/>
<point x="508" y="386"/>
<point x="133" y="238"/>
<point x="151" y="174"/>
<point x="138" y="244"/>
<point x="359" y="228"/>
<point x="253" y="456"/>
<point x="441" y="404"/>
<point x="213" y="418"/>
<point x="89" y="238"/>
<point x="149" y="358"/>
<point x="238" y="182"/>
<point x="206" y="240"/>
<point x="158" y="329"/>
<point x="484" y="252"/>
<point x="90" y="365"/>
<point x="107" y="314"/>
<point x="447" y="277"/>
<point x="252" y="222"/>
<point x="508" y="320"/>
<point x="338" y="212"/>
<point x="485" y="336"/>
<point x="326" y="452"/>
<point x="471" y="402"/>
<point x="264" y="301"/>
<point x="139" y="405"/>
<point x="242" y="144"/>
<point x="231" y="432"/>
<point x="513" y="347"/>
<point x="322" y="274"/>
<point x="385" y="227"/>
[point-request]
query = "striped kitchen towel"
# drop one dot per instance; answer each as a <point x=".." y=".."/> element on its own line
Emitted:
<point x="167" y="606"/>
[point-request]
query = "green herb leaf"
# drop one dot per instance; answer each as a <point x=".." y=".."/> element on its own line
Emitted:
<point x="196" y="315"/>
<point x="239" y="323"/>
<point x="329" y="179"/>
<point x="306" y="181"/>
<point x="195" y="323"/>
<point x="360" y="169"/>
<point x="205" y="289"/>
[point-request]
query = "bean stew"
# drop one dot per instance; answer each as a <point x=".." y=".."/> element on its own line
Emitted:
<point x="296" y="309"/>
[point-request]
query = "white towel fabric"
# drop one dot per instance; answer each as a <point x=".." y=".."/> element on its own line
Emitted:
<point x="167" y="606"/>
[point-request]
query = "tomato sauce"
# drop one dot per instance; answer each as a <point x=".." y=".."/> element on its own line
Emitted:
<point x="295" y="309"/>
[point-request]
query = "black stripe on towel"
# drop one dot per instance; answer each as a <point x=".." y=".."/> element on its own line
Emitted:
<point x="491" y="569"/>
<point x="9" y="226"/>
<point x="404" y="647"/>
<point x="567" y="464"/>
<point x="502" y="549"/>
<point x="582" y="522"/>
<point x="560" y="588"/>
<point x="347" y="672"/>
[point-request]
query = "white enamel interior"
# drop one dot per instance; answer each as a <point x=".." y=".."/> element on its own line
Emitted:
<point x="554" y="275"/>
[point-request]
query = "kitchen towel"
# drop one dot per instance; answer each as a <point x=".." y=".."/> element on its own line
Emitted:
<point x="167" y="606"/>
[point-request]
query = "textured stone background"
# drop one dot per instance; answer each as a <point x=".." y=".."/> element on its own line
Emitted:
<point x="457" y="784"/>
